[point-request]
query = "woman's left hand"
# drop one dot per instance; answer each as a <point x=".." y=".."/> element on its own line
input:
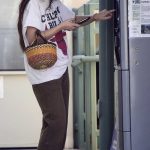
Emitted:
<point x="103" y="15"/>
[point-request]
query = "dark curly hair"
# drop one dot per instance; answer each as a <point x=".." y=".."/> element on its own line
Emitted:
<point x="22" y="7"/>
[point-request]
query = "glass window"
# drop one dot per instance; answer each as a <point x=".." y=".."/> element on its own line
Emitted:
<point x="11" y="56"/>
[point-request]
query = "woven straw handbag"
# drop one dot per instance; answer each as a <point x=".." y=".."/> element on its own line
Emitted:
<point x="41" y="54"/>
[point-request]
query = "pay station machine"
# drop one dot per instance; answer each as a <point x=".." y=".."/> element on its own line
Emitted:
<point x="132" y="74"/>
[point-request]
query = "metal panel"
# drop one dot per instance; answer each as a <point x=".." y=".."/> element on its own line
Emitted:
<point x="106" y="79"/>
<point x="140" y="95"/>
<point x="124" y="34"/>
<point x="118" y="99"/>
<point x="127" y="141"/>
<point x="126" y="101"/>
<point x="124" y="119"/>
<point x="123" y="113"/>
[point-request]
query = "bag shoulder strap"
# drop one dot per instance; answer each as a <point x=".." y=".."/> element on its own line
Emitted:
<point x="38" y="33"/>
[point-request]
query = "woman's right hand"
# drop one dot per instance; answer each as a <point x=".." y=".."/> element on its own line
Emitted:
<point x="69" y="25"/>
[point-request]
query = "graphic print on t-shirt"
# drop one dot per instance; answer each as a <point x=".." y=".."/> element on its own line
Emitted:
<point x="59" y="39"/>
<point x="52" y="19"/>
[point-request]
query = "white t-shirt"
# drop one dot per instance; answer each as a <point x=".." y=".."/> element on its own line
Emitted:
<point x="37" y="15"/>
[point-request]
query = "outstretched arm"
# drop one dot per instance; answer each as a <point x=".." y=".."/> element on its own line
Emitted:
<point x="101" y="16"/>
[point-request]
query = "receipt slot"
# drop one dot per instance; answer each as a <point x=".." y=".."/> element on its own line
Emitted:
<point x="132" y="75"/>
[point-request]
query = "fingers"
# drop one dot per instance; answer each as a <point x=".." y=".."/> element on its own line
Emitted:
<point x="75" y="24"/>
<point x="112" y="10"/>
<point x="108" y="11"/>
<point x="71" y="19"/>
<point x="104" y="10"/>
<point x="72" y="26"/>
<point x="108" y="17"/>
<point x="107" y="14"/>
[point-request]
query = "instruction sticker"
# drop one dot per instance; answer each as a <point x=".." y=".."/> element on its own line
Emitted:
<point x="139" y="18"/>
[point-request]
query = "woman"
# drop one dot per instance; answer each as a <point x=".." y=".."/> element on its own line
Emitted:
<point x="51" y="86"/>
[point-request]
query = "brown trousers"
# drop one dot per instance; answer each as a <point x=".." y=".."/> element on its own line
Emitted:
<point x="53" y="97"/>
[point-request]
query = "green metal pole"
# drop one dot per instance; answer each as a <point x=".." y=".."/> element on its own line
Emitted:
<point x="106" y="79"/>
